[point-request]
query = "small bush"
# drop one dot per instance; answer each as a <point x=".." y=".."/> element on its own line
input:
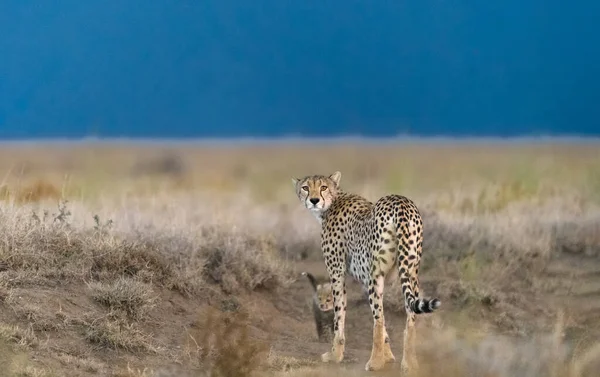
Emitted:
<point x="130" y="296"/>
<point x="224" y="346"/>
<point x="117" y="334"/>
<point x="238" y="262"/>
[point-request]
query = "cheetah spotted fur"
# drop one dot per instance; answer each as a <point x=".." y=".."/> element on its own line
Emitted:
<point x="366" y="241"/>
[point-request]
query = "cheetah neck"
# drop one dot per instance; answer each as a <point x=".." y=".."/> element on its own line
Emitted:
<point x="320" y="215"/>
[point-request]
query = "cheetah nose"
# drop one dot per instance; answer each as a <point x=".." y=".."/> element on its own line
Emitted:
<point x="314" y="200"/>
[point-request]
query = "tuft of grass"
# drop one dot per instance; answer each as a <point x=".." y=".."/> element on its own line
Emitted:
<point x="130" y="296"/>
<point x="31" y="371"/>
<point x="279" y="362"/>
<point x="115" y="333"/>
<point x="22" y="337"/>
<point x="84" y="364"/>
<point x="134" y="372"/>
<point x="223" y="345"/>
<point x="237" y="263"/>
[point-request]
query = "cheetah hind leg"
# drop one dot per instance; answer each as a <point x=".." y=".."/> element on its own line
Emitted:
<point x="409" y="357"/>
<point x="378" y="352"/>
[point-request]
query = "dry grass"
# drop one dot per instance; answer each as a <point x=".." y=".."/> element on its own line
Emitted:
<point x="117" y="334"/>
<point x="36" y="249"/>
<point x="223" y="345"/>
<point x="452" y="352"/>
<point x="511" y="238"/>
<point x="132" y="297"/>
<point x="20" y="336"/>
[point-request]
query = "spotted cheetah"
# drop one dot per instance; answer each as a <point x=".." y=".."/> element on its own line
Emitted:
<point x="366" y="241"/>
<point x="322" y="306"/>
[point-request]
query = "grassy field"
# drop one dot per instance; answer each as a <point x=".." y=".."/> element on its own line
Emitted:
<point x="169" y="260"/>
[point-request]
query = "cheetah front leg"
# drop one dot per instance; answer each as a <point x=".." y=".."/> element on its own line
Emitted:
<point x="338" y="283"/>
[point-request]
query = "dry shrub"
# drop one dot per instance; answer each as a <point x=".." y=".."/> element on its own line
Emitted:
<point x="242" y="262"/>
<point x="224" y="345"/>
<point x="115" y="333"/>
<point x="130" y="296"/>
<point x="55" y="250"/>
<point x="130" y="257"/>
<point x="37" y="191"/>
<point x="38" y="248"/>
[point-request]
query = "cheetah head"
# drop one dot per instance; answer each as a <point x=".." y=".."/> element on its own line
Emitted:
<point x="324" y="297"/>
<point x="317" y="192"/>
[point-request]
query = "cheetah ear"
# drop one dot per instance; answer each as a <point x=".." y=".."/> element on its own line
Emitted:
<point x="335" y="177"/>
<point x="295" y="181"/>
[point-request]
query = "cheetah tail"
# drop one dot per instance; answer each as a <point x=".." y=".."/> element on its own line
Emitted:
<point x="313" y="282"/>
<point x="423" y="305"/>
<point x="417" y="305"/>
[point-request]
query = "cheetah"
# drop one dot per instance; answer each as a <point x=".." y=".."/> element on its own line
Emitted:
<point x="322" y="306"/>
<point x="367" y="240"/>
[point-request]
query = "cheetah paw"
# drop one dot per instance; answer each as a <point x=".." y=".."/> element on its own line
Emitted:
<point x="389" y="355"/>
<point x="375" y="364"/>
<point x="407" y="369"/>
<point x="330" y="357"/>
<point x="404" y="368"/>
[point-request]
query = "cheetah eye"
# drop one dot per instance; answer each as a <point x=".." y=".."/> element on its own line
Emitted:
<point x="305" y="188"/>
<point x="323" y="188"/>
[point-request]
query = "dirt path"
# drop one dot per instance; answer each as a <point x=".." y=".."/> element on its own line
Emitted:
<point x="570" y="283"/>
<point x="295" y="321"/>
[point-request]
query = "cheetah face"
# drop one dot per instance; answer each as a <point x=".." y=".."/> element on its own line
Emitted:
<point x="317" y="192"/>
<point x="324" y="297"/>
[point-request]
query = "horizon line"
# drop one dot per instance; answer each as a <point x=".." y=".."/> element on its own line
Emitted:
<point x="248" y="140"/>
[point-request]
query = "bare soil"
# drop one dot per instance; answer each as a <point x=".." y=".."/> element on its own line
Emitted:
<point x="283" y="320"/>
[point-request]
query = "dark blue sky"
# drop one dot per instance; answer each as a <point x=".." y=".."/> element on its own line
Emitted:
<point x="175" y="68"/>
